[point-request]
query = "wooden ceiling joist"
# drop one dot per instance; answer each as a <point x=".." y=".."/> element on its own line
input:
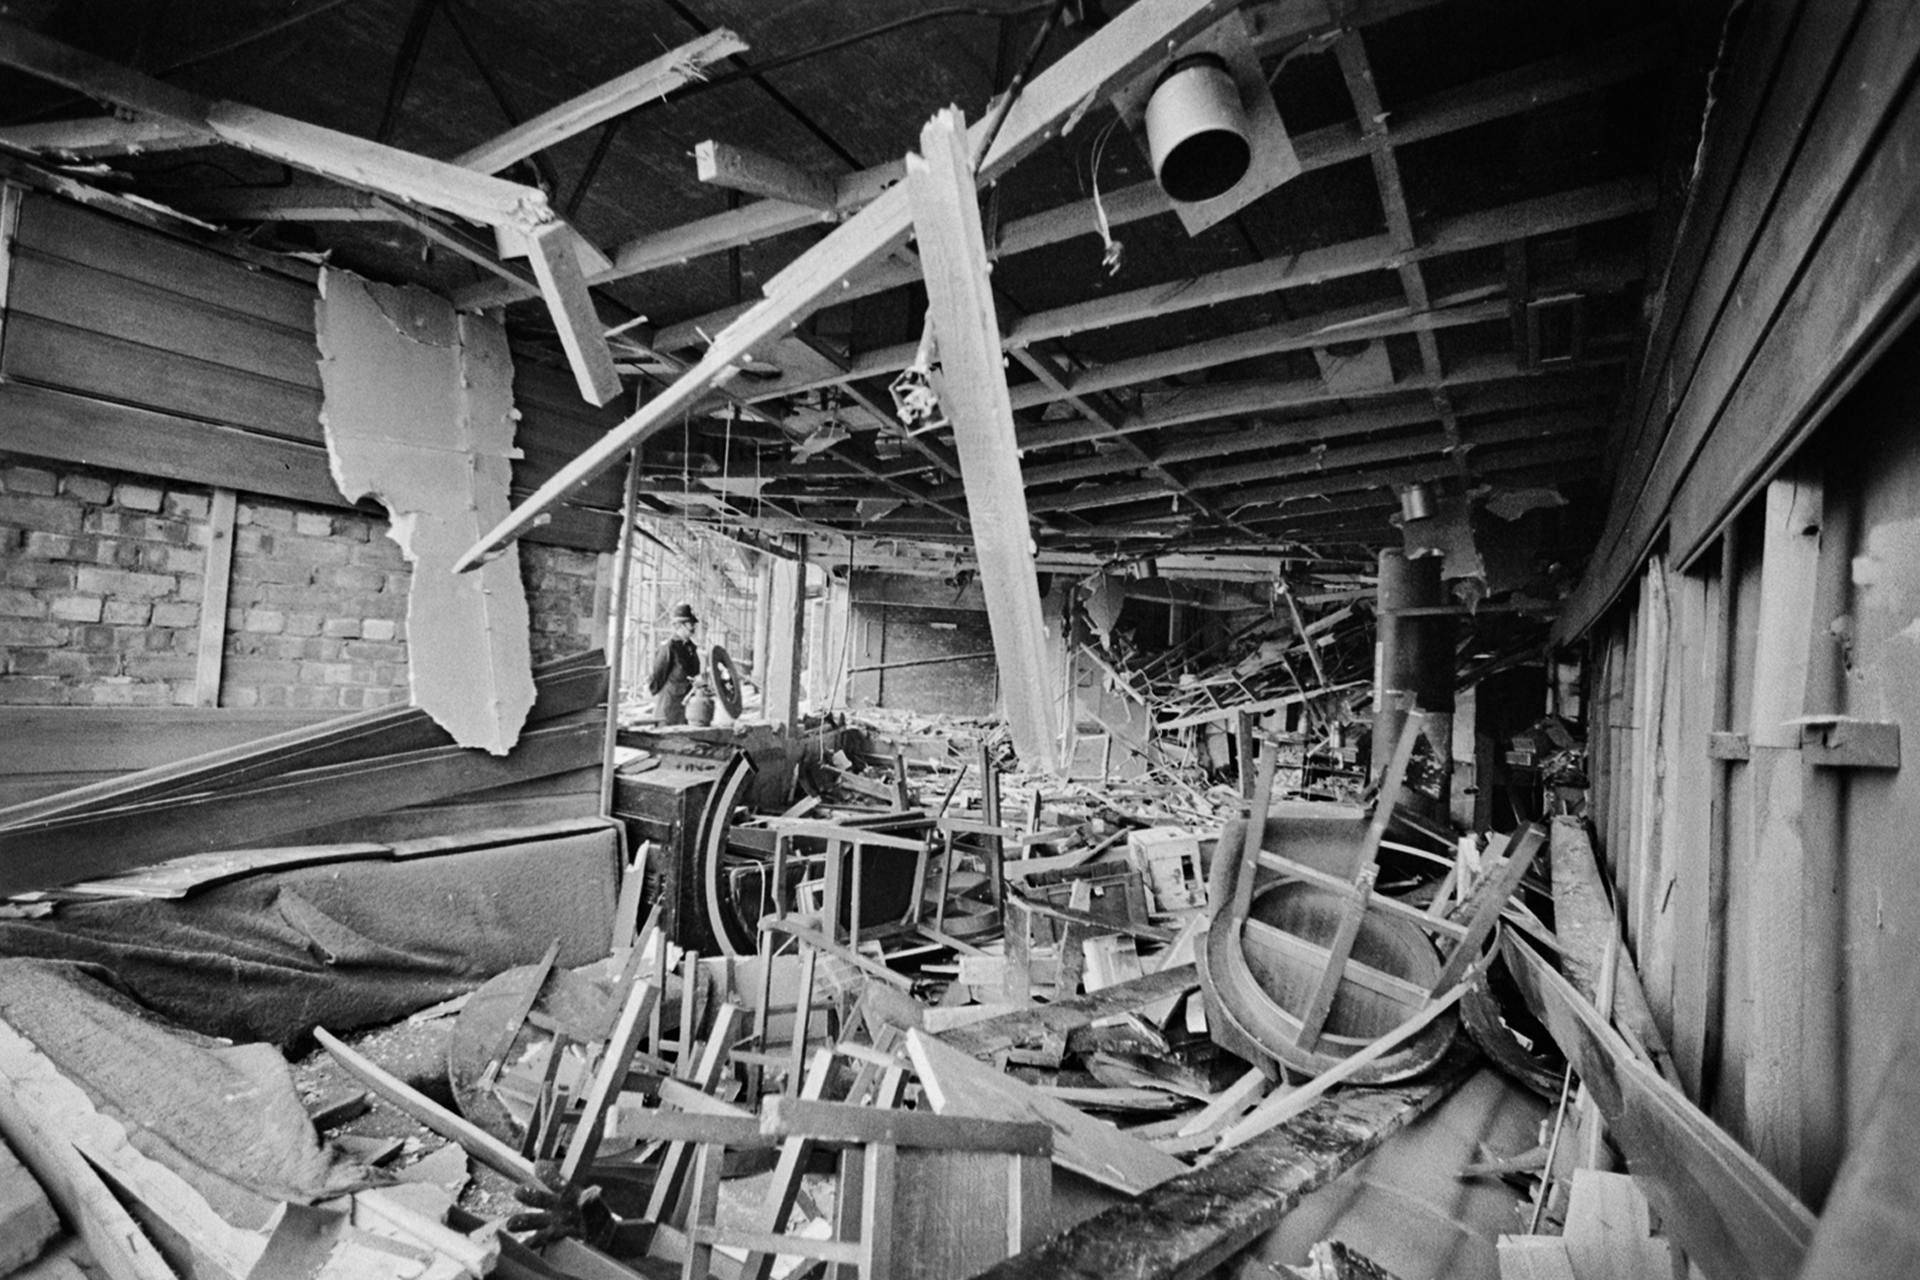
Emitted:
<point x="1547" y="215"/>
<point x="1510" y="93"/>
<point x="1179" y="406"/>
<point x="653" y="79"/>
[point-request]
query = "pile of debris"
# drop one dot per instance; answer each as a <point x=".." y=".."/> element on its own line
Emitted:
<point x="928" y="1038"/>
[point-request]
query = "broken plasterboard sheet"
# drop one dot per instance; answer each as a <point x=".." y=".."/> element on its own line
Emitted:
<point x="418" y="412"/>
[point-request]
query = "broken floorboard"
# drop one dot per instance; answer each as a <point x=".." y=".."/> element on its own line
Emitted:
<point x="1192" y="1224"/>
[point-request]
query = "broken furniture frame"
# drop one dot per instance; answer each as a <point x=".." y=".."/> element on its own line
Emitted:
<point x="1254" y="1023"/>
<point x="890" y="1163"/>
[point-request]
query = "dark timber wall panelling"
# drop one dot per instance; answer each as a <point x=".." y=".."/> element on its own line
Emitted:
<point x="127" y="349"/>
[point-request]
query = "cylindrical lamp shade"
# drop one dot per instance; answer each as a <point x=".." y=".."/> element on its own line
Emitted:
<point x="1197" y="130"/>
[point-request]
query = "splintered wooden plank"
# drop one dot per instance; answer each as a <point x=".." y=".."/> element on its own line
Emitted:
<point x="1733" y="1218"/>
<point x="973" y="393"/>
<point x="81" y="1156"/>
<point x="89" y="846"/>
<point x="477" y="1142"/>
<point x="556" y="265"/>
<point x="1188" y="1226"/>
<point x="959" y="1085"/>
<point x="27" y="1220"/>
<point x="1060" y="1018"/>
<point x="653" y="79"/>
<point x="1583" y="922"/>
<point x="1123" y="48"/>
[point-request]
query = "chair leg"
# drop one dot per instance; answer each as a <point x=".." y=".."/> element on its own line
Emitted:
<point x="703" y="1211"/>
<point x="876" y="1212"/>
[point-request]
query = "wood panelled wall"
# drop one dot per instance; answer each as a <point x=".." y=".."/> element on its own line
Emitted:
<point x="123" y="347"/>
<point x="1797" y="260"/>
<point x="1767" y="878"/>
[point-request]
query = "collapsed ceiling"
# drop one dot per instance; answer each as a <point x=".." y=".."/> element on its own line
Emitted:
<point x="1445" y="296"/>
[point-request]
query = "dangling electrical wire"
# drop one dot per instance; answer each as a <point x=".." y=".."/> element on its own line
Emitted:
<point x="1115" y="250"/>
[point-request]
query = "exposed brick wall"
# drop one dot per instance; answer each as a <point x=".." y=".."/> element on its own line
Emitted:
<point x="101" y="587"/>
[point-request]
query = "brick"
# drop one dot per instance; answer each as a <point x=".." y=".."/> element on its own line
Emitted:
<point x="379" y="629"/>
<point x="303" y="624"/>
<point x="110" y="553"/>
<point x="183" y="693"/>
<point x="66" y="663"/>
<point x="266" y="517"/>
<point x="275" y="568"/>
<point x="341" y="628"/>
<point x="273" y="696"/>
<point x="37" y="576"/>
<point x="87" y="489"/>
<point x="399" y="583"/>
<point x="31" y="691"/>
<point x="312" y="695"/>
<point x="138" y="497"/>
<point x="171" y="559"/>
<point x="382" y="697"/>
<point x="262" y="671"/>
<point x="189" y="506"/>
<point x="313" y="524"/>
<point x="326" y="672"/>
<point x="119" y="582"/>
<point x="54" y="515"/>
<point x="192" y="587"/>
<point x="314" y="551"/>
<point x="377" y="554"/>
<point x="94" y="639"/>
<point x="371" y="651"/>
<point x="160" y="666"/>
<point x="133" y="613"/>
<point x="124" y="692"/>
<point x="173" y="613"/>
<point x="21" y="604"/>
<point x="241" y="696"/>
<point x="30" y="480"/>
<point x="351" y="528"/>
<point x="252" y="542"/>
<point x="160" y="529"/>
<point x="76" y="608"/>
<point x="265" y="621"/>
<point x="352" y="578"/>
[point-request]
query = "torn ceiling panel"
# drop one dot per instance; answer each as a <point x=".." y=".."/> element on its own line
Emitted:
<point x="419" y="414"/>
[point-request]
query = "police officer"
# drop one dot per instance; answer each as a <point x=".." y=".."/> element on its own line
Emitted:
<point x="674" y="669"/>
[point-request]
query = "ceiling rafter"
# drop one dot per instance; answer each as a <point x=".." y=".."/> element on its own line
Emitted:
<point x="1351" y="51"/>
<point x="1510" y="93"/>
<point x="1544" y="215"/>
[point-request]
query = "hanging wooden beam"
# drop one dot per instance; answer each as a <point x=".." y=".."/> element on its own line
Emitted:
<point x="650" y="80"/>
<point x="973" y="391"/>
<point x="556" y="265"/>
<point x="1123" y="48"/>
<point x="357" y="162"/>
